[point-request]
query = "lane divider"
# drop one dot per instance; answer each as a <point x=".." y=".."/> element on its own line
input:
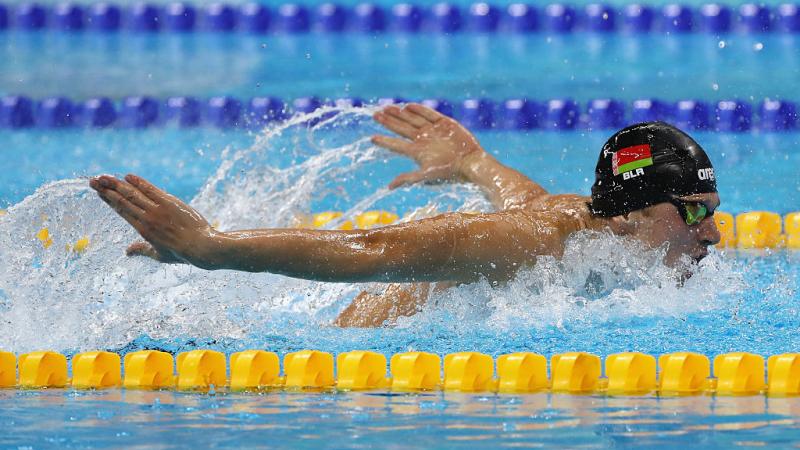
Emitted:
<point x="363" y="221"/>
<point x="759" y="230"/>
<point x="769" y="115"/>
<point x="441" y="18"/>
<point x="628" y="373"/>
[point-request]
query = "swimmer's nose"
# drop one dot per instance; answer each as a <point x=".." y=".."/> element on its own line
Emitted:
<point x="709" y="233"/>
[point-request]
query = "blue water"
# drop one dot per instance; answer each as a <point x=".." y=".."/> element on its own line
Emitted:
<point x="358" y="420"/>
<point x="103" y="300"/>
<point x="756" y="172"/>
<point x="583" y="66"/>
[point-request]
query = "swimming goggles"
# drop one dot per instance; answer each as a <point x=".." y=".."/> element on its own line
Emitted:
<point x="693" y="212"/>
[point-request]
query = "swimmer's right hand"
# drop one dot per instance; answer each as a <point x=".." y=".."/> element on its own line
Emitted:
<point x="439" y="144"/>
<point x="173" y="231"/>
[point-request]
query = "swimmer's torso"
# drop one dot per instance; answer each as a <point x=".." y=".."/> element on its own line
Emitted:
<point x="541" y="226"/>
<point x="538" y="228"/>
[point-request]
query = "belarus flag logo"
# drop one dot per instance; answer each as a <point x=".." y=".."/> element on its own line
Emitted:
<point x="631" y="158"/>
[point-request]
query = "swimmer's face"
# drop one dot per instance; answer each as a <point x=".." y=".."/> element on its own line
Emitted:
<point x="663" y="223"/>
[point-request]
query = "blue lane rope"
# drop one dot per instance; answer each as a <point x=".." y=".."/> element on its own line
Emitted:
<point x="405" y="18"/>
<point x="18" y="112"/>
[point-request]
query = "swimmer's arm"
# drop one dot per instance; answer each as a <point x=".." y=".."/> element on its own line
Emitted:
<point x="373" y="310"/>
<point x="505" y="187"/>
<point x="455" y="247"/>
<point x="450" y="247"/>
<point x="445" y="150"/>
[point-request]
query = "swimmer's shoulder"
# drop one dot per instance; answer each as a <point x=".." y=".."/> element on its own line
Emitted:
<point x="572" y="210"/>
<point x="569" y="204"/>
<point x="549" y="202"/>
<point x="555" y="215"/>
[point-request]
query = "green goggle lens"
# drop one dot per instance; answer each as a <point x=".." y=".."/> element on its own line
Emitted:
<point x="695" y="212"/>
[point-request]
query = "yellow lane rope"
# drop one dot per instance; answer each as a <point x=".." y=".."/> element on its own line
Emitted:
<point x="630" y="373"/>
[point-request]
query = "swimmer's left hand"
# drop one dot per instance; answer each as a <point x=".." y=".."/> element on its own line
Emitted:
<point x="174" y="231"/>
<point x="438" y="144"/>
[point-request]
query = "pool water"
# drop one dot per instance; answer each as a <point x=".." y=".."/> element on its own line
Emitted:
<point x="357" y="420"/>
<point x="57" y="299"/>
<point x="103" y="300"/>
<point x="539" y="66"/>
<point x="757" y="172"/>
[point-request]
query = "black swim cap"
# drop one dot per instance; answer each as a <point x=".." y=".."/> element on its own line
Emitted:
<point x="646" y="164"/>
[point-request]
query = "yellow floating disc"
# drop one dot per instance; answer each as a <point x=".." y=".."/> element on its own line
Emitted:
<point x="81" y="244"/>
<point x="44" y="236"/>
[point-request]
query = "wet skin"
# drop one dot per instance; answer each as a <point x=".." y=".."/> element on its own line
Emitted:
<point x="455" y="248"/>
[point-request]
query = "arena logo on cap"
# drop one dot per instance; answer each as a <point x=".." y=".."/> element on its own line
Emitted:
<point x="705" y="174"/>
<point x="630" y="161"/>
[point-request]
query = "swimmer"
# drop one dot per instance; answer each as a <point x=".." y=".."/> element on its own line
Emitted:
<point x="653" y="183"/>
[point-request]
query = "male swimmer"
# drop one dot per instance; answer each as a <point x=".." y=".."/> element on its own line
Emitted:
<point x="653" y="183"/>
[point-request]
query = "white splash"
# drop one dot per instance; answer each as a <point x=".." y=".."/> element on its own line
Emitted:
<point x="56" y="298"/>
<point x="601" y="277"/>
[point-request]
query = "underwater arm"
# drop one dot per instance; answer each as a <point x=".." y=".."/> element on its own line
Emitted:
<point x="397" y="300"/>
<point x="373" y="310"/>
<point x="446" y="151"/>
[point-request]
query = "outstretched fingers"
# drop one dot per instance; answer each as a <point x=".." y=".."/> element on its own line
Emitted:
<point x="396" y="145"/>
<point x="133" y="195"/>
<point x="429" y="114"/>
<point x="397" y="125"/>
<point x="153" y="193"/>
<point x="404" y="114"/>
<point x="127" y="210"/>
<point x="126" y="190"/>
